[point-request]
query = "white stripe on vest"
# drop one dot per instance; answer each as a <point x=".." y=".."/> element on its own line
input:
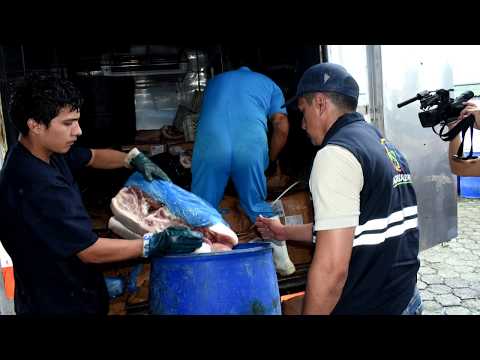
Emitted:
<point x="382" y="224"/>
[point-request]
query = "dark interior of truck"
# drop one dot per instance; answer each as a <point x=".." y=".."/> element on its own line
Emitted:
<point x="115" y="80"/>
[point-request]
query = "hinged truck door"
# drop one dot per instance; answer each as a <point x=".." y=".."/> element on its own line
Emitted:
<point x="388" y="75"/>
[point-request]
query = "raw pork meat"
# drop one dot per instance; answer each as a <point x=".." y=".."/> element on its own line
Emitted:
<point x="136" y="213"/>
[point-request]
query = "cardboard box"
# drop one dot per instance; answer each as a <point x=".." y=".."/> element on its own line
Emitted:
<point x="295" y="208"/>
<point x="292" y="304"/>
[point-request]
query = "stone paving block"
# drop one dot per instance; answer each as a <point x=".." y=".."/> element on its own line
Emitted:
<point x="432" y="279"/>
<point x="445" y="273"/>
<point x="471" y="276"/>
<point x="439" y="289"/>
<point x="469" y="244"/>
<point x="461" y="252"/>
<point x="457" y="310"/>
<point x="449" y="275"/>
<point x="473" y="304"/>
<point x="472" y="246"/>
<point x="472" y="263"/>
<point x="463" y="269"/>
<point x="475" y="285"/>
<point x="431" y="306"/>
<point x="447" y="300"/>
<point x="437" y="312"/>
<point x="457" y="283"/>
<point x="470" y="256"/>
<point x="438" y="266"/>
<point x="465" y="294"/>
<point x="421" y="285"/>
<point x="437" y="258"/>
<point x="427" y="270"/>
<point x="453" y="242"/>
<point x="455" y="261"/>
<point x="426" y="295"/>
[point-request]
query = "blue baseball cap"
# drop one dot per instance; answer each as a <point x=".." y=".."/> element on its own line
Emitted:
<point x="326" y="77"/>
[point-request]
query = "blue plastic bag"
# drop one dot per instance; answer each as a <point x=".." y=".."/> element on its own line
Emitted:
<point x="115" y="286"/>
<point x="195" y="211"/>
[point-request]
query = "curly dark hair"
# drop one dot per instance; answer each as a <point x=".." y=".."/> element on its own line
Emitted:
<point x="41" y="97"/>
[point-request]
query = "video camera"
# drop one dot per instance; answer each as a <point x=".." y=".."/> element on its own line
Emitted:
<point x="439" y="109"/>
<point x="446" y="110"/>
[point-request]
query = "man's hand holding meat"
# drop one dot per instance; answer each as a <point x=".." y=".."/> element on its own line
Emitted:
<point x="271" y="228"/>
<point x="173" y="240"/>
<point x="143" y="164"/>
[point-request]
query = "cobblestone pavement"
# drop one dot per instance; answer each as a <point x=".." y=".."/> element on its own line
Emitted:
<point x="449" y="275"/>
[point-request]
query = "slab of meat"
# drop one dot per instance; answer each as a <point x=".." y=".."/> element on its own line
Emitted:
<point x="118" y="228"/>
<point x="141" y="214"/>
<point x="136" y="213"/>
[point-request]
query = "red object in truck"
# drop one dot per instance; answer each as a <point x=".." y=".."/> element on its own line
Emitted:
<point x="9" y="282"/>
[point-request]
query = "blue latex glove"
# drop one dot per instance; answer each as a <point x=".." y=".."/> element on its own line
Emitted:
<point x="173" y="240"/>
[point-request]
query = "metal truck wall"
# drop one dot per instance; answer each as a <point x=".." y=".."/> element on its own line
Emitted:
<point x="396" y="73"/>
<point x="405" y="71"/>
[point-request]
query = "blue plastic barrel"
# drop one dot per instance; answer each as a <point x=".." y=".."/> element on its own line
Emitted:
<point x="469" y="186"/>
<point x="238" y="282"/>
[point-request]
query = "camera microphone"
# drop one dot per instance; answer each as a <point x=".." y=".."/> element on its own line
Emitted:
<point x="467" y="95"/>
<point x="418" y="97"/>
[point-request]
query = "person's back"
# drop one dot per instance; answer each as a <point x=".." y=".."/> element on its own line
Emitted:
<point x="231" y="141"/>
<point x="231" y="138"/>
<point x="237" y="104"/>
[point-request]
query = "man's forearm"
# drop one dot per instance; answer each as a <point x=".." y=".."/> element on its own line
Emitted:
<point x="110" y="250"/>
<point x="107" y="159"/>
<point x="452" y="150"/>
<point x="279" y="136"/>
<point x="301" y="233"/>
<point x="322" y="293"/>
<point x="329" y="270"/>
<point x="461" y="167"/>
<point x="279" y="139"/>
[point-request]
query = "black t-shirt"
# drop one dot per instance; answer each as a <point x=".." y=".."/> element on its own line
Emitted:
<point x="44" y="225"/>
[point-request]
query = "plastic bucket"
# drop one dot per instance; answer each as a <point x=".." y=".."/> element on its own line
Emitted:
<point x="238" y="282"/>
<point x="469" y="186"/>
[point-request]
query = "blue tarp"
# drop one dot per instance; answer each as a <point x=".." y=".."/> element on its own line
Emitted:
<point x="184" y="204"/>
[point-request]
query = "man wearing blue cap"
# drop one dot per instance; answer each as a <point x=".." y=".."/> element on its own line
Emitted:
<point x="365" y="229"/>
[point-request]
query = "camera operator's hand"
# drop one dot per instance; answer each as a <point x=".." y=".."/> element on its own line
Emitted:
<point x="452" y="124"/>
<point x="470" y="109"/>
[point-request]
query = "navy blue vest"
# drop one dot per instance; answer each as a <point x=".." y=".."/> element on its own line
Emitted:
<point x="384" y="263"/>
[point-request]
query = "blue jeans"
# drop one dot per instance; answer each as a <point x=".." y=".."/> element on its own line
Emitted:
<point x="415" y="306"/>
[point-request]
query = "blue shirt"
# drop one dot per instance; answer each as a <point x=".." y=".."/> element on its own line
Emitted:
<point x="239" y="100"/>
<point x="44" y="225"/>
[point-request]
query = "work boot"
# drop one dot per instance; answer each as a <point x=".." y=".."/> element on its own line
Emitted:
<point x="283" y="264"/>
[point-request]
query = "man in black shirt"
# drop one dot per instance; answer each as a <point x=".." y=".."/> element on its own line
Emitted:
<point x="45" y="227"/>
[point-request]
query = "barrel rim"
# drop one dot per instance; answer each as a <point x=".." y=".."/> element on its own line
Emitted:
<point x="252" y="247"/>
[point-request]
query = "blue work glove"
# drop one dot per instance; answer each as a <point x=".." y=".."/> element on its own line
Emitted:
<point x="143" y="164"/>
<point x="173" y="240"/>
